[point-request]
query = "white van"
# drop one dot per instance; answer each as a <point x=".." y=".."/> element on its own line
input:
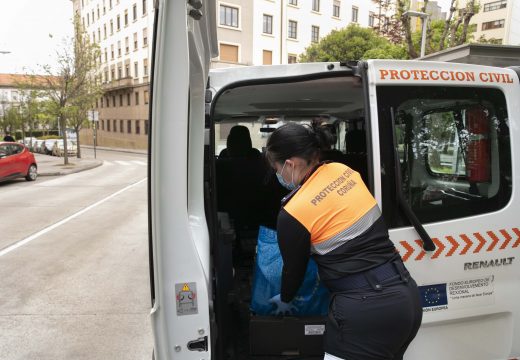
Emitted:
<point x="435" y="143"/>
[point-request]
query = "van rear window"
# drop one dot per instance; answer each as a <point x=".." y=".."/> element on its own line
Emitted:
<point x="453" y="146"/>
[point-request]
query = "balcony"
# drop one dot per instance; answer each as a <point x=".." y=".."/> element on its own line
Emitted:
<point x="119" y="84"/>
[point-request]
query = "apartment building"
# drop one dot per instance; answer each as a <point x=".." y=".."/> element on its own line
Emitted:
<point x="123" y="31"/>
<point x="432" y="8"/>
<point x="270" y="32"/>
<point x="498" y="20"/>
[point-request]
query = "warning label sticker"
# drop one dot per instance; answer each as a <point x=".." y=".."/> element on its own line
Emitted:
<point x="186" y="298"/>
<point x="314" y="329"/>
<point x="471" y="292"/>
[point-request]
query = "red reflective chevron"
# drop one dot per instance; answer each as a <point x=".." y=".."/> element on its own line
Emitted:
<point x="482" y="242"/>
<point x="494" y="242"/>
<point x="440" y="248"/>
<point x="507" y="237"/>
<point x="454" y="245"/>
<point x="409" y="250"/>
<point x="517" y="242"/>
<point x="468" y="242"/>
<point x="422" y="253"/>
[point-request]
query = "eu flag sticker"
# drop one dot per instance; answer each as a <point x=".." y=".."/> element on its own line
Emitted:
<point x="433" y="295"/>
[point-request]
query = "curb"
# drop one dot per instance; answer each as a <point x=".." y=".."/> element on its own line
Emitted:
<point x="73" y="171"/>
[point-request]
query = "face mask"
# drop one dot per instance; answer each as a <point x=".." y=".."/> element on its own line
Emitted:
<point x="288" y="186"/>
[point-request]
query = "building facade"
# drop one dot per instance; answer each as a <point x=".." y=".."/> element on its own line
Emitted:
<point x="271" y="32"/>
<point x="432" y="8"/>
<point x="498" y="20"/>
<point x="123" y="31"/>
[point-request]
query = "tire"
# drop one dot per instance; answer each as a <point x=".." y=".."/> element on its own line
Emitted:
<point x="32" y="173"/>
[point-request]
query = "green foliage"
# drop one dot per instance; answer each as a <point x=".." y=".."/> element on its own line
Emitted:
<point x="352" y="43"/>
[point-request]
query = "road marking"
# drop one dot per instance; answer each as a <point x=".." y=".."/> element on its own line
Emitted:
<point x="121" y="162"/>
<point x="106" y="162"/>
<point x="27" y="240"/>
<point x="139" y="162"/>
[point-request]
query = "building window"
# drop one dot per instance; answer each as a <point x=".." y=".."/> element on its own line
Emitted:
<point x="146" y="127"/>
<point x="108" y="125"/>
<point x="115" y="125"/>
<point x="104" y="8"/>
<point x="134" y="12"/>
<point x="92" y="16"/>
<point x="112" y="51"/>
<point x="291" y="59"/>
<point x="119" y="49"/>
<point x="113" y="74"/>
<point x="293" y="29"/>
<point x="495" y="5"/>
<point x="135" y="41"/>
<point x="229" y="53"/>
<point x="145" y="37"/>
<point x="99" y="34"/>
<point x="118" y="23"/>
<point x="335" y="8"/>
<point x="146" y="99"/>
<point x="103" y="125"/>
<point x="315" y="34"/>
<point x="228" y="16"/>
<point x="355" y="12"/>
<point x="88" y="19"/>
<point x="493" y="24"/>
<point x="267" y="57"/>
<point x="126" y="17"/>
<point x="110" y="4"/>
<point x="129" y="126"/>
<point x="136" y="69"/>
<point x="127" y="70"/>
<point x="144" y="7"/>
<point x="111" y="27"/>
<point x="127" y="45"/>
<point x="268" y="24"/>
<point x="137" y="127"/>
<point x="104" y="31"/>
<point x="121" y="126"/>
<point x="108" y="102"/>
<point x="120" y="102"/>
<point x="97" y="11"/>
<point x="137" y="98"/>
<point x="371" y="19"/>
<point x="316" y="5"/>
<point x="293" y="2"/>
<point x="113" y="100"/>
<point x="145" y="67"/>
<point x="128" y="99"/>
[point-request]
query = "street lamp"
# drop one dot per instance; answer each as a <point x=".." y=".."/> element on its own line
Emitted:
<point x="424" y="18"/>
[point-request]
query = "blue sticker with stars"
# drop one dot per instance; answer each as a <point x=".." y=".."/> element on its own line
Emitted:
<point x="433" y="295"/>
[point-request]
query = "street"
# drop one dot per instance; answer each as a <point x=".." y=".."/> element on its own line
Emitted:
<point x="74" y="280"/>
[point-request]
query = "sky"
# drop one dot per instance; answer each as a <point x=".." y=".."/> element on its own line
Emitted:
<point x="25" y="26"/>
<point x="32" y="30"/>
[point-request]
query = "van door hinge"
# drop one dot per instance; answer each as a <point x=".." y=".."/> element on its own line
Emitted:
<point x="201" y="344"/>
<point x="194" y="7"/>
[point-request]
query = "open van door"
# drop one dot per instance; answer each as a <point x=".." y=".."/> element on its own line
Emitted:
<point x="446" y="137"/>
<point x="184" y="43"/>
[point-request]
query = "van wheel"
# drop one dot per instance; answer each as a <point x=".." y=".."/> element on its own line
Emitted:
<point x="32" y="173"/>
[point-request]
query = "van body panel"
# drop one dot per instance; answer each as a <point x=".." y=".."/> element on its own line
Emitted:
<point x="180" y="243"/>
<point x="475" y="263"/>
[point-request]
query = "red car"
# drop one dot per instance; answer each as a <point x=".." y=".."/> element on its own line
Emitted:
<point x="17" y="161"/>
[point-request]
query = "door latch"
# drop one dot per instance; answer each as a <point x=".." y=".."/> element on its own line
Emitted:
<point x="201" y="344"/>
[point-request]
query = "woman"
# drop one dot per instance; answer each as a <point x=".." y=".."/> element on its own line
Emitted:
<point x="375" y="309"/>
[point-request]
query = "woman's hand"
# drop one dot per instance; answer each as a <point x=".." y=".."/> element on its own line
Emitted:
<point x="282" y="308"/>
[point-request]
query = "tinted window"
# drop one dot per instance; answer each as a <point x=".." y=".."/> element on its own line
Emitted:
<point x="453" y="149"/>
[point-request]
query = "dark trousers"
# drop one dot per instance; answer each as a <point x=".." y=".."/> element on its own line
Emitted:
<point x="377" y="321"/>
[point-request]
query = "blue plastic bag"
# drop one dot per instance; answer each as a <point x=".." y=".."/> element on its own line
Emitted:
<point x="311" y="299"/>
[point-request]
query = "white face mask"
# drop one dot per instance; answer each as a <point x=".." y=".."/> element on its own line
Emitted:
<point x="285" y="184"/>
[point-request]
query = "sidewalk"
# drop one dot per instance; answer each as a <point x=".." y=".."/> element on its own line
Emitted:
<point x="53" y="166"/>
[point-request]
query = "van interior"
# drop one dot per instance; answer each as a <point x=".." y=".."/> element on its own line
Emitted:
<point x="242" y="193"/>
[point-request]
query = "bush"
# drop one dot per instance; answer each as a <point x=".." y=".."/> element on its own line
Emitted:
<point x="47" y="137"/>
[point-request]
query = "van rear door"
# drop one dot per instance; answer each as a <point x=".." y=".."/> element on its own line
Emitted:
<point x="184" y="43"/>
<point x="447" y="135"/>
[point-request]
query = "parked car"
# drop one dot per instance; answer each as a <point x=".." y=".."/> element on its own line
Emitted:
<point x="17" y="161"/>
<point x="47" y="145"/>
<point x="36" y="146"/>
<point x="58" y="148"/>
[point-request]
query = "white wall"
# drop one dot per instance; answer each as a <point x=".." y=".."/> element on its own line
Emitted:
<point x="514" y="24"/>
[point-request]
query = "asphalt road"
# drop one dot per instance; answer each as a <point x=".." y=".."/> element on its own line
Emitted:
<point x="74" y="280"/>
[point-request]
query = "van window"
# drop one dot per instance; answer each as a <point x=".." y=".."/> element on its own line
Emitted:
<point x="453" y="150"/>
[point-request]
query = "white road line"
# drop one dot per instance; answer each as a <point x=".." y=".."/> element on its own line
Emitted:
<point x="27" y="240"/>
<point x="121" y="162"/>
<point x="106" y="162"/>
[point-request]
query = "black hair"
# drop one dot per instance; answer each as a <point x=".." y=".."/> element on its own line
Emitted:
<point x="298" y="140"/>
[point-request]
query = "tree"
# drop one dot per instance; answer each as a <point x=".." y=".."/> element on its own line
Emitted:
<point x="74" y="81"/>
<point x="352" y="43"/>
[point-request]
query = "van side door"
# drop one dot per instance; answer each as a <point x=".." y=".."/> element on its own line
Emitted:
<point x="447" y="135"/>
